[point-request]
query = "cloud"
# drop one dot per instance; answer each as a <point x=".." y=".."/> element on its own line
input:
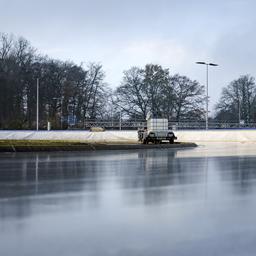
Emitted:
<point x="164" y="52"/>
<point x="167" y="53"/>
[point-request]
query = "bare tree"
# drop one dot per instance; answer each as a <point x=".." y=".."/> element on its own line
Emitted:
<point x="237" y="101"/>
<point x="131" y="97"/>
<point x="6" y="44"/>
<point x="188" y="98"/>
<point x="63" y="86"/>
<point x="153" y="89"/>
<point x="155" y="78"/>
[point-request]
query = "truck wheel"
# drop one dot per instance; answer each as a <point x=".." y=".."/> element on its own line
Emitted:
<point x="145" y="141"/>
<point x="171" y="140"/>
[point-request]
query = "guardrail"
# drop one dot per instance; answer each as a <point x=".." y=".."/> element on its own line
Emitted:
<point x="134" y="125"/>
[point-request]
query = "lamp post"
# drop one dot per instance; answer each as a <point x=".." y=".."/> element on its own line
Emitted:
<point x="37" y="104"/>
<point x="120" y="120"/>
<point x="207" y="97"/>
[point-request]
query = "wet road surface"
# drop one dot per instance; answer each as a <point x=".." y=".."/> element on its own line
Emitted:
<point x="147" y="202"/>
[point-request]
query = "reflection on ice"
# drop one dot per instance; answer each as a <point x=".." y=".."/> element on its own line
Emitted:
<point x="146" y="202"/>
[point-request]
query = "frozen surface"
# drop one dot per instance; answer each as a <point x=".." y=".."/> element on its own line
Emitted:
<point x="199" y="201"/>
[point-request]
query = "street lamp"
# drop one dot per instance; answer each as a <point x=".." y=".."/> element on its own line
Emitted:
<point x="37" y="104"/>
<point x="207" y="98"/>
<point x="120" y="120"/>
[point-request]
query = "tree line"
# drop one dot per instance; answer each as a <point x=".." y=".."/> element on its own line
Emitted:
<point x="152" y="89"/>
<point x="65" y="88"/>
<point x="238" y="101"/>
<point x="77" y="93"/>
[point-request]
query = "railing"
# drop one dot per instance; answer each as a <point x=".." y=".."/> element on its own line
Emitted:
<point x="114" y="125"/>
<point x="183" y="125"/>
<point x="211" y="125"/>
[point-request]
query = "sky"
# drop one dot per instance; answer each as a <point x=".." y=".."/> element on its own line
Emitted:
<point x="120" y="34"/>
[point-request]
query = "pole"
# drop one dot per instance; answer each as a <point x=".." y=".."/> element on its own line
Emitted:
<point x="112" y="118"/>
<point x="61" y="118"/>
<point x="207" y="93"/>
<point x="206" y="114"/>
<point x="239" y="113"/>
<point x="120" y="121"/>
<point x="37" y="104"/>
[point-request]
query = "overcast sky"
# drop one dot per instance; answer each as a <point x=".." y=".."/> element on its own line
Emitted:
<point x="120" y="34"/>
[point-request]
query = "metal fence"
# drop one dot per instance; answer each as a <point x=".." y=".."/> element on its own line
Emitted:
<point x="200" y="125"/>
<point x="174" y="125"/>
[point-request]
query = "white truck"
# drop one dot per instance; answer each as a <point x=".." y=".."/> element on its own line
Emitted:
<point x="156" y="132"/>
